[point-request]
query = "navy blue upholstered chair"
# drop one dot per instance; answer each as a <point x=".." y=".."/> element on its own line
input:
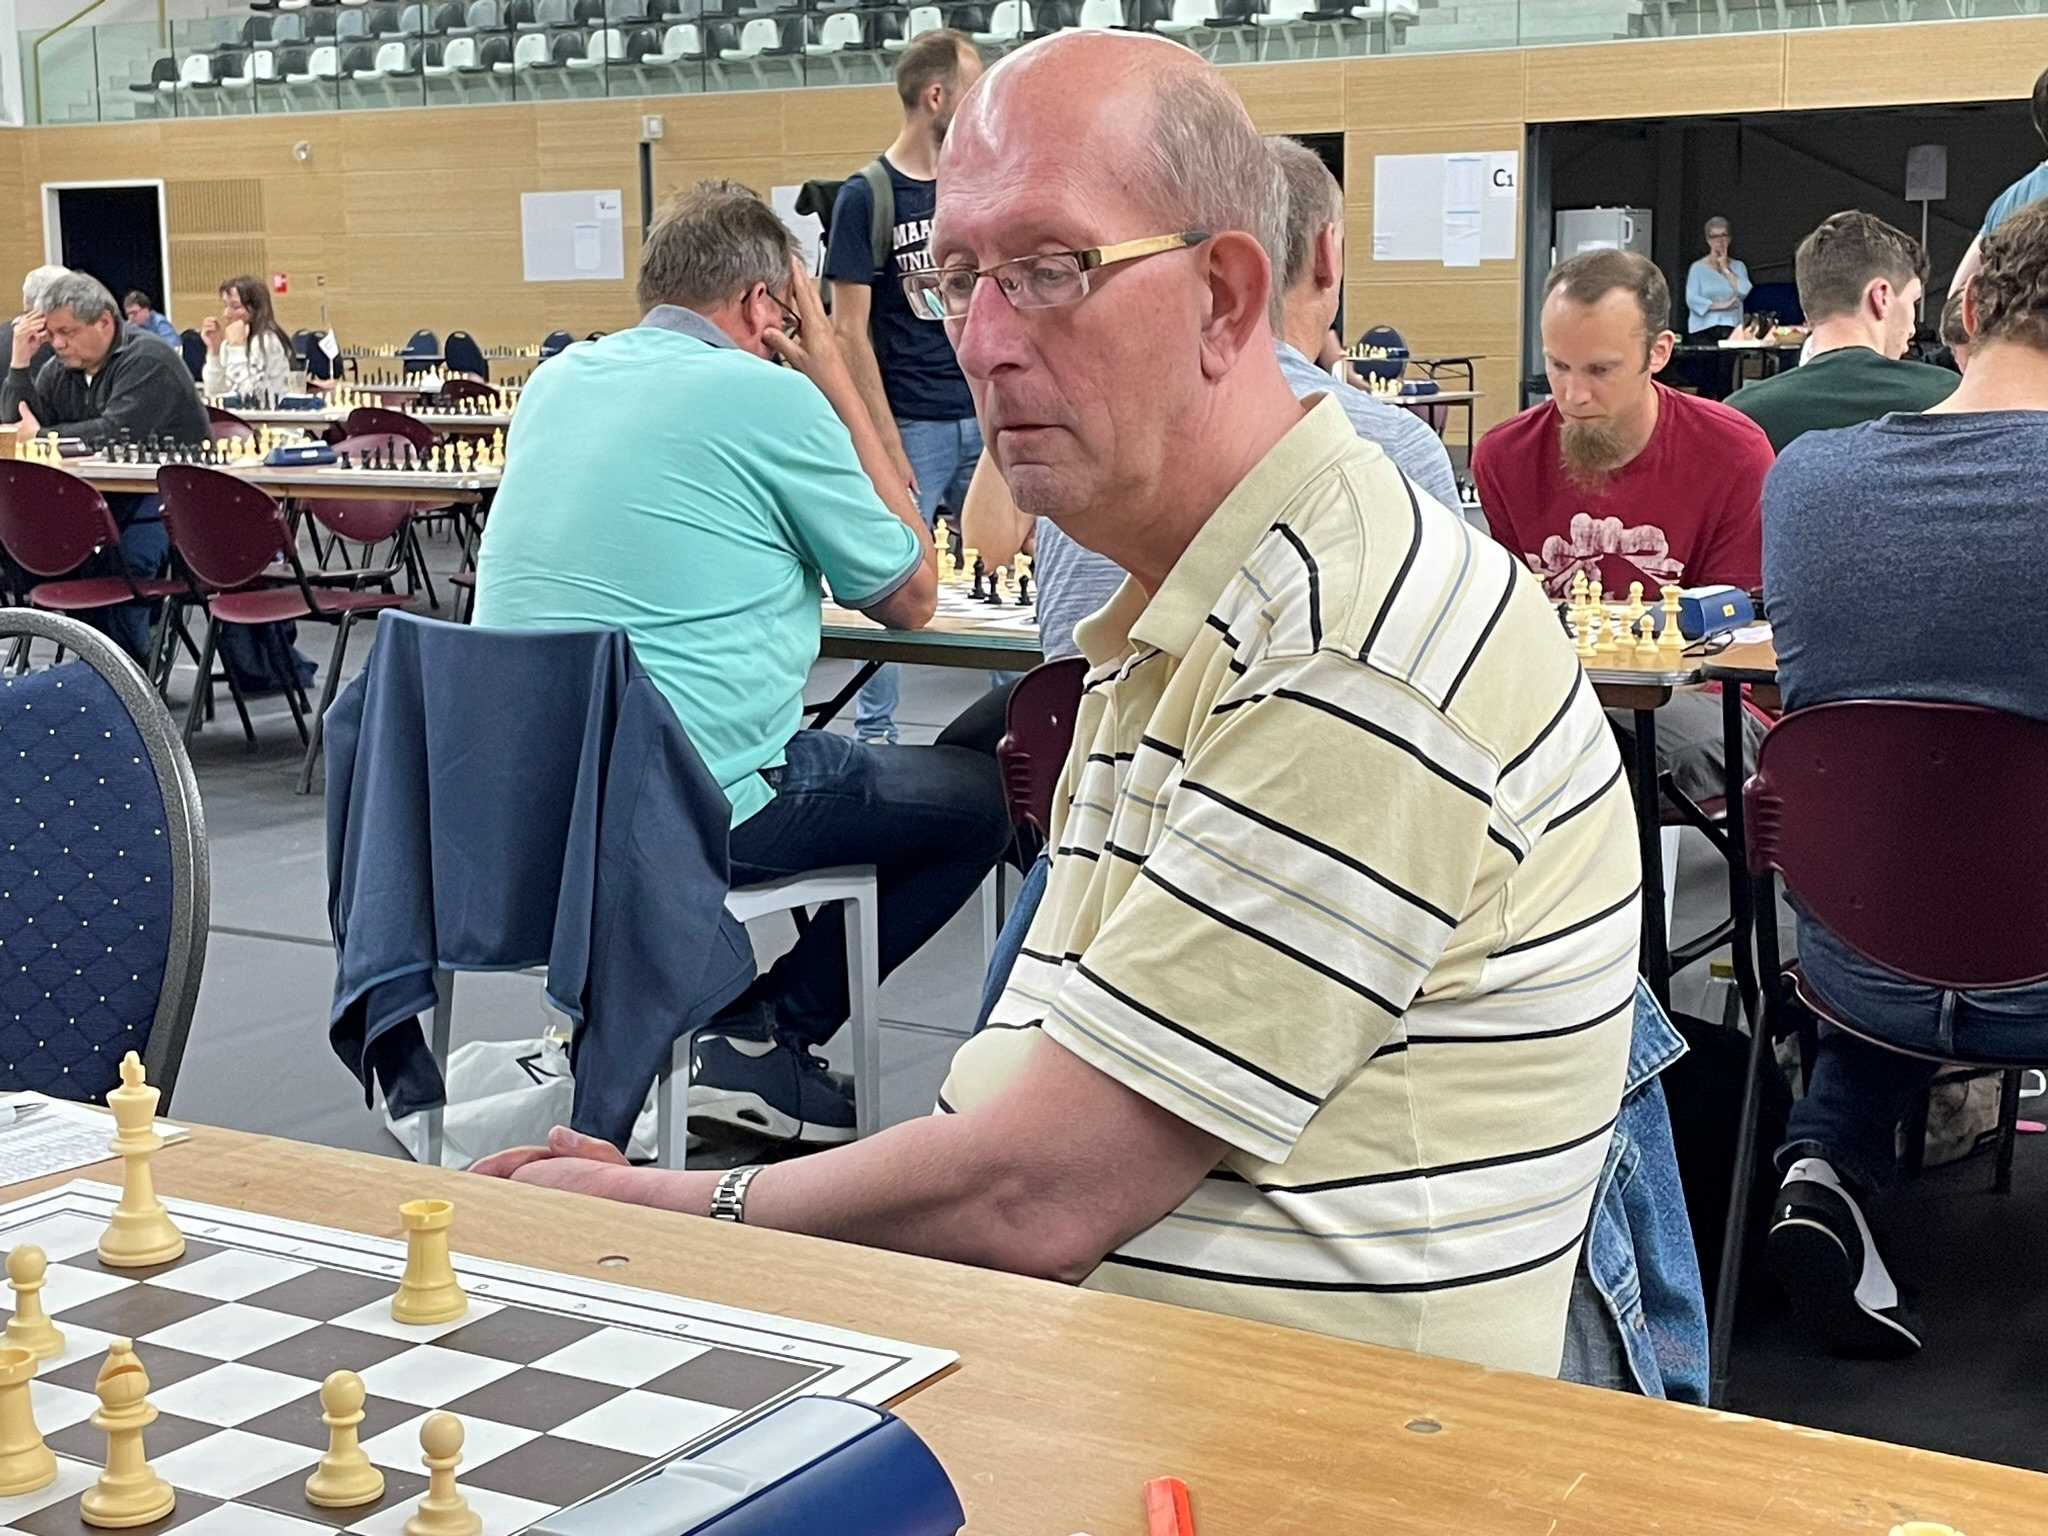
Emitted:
<point x="103" y="871"/>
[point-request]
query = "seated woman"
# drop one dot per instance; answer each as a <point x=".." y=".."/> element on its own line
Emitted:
<point x="247" y="351"/>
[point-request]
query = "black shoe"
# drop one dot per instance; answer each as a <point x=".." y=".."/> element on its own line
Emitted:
<point x="747" y="1076"/>
<point x="1821" y="1250"/>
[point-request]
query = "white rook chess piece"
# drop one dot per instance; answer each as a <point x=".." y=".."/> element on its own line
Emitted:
<point x="428" y="1291"/>
<point x="140" y="1231"/>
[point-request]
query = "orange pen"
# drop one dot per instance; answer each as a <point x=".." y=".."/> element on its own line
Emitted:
<point x="1167" y="1511"/>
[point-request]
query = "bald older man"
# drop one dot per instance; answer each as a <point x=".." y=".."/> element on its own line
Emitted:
<point x="1324" y="1017"/>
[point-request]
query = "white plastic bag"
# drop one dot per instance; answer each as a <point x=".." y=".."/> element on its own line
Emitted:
<point x="508" y="1093"/>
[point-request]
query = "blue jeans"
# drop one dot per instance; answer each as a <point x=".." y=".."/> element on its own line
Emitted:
<point x="942" y="455"/>
<point x="1011" y="939"/>
<point x="1860" y="1091"/>
<point x="930" y="819"/>
<point x="145" y="546"/>
<point x="1637" y="1320"/>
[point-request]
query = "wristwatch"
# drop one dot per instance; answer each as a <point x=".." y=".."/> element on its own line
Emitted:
<point x="729" y="1198"/>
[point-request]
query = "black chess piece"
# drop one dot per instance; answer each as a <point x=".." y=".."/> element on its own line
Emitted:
<point x="1023" y="589"/>
<point x="977" y="594"/>
<point x="347" y="460"/>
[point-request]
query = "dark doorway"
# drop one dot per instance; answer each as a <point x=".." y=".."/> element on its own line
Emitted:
<point x="114" y="233"/>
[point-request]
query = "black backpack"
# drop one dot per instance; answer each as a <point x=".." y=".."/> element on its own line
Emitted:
<point x="881" y="219"/>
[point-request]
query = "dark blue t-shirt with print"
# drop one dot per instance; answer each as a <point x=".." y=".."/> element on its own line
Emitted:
<point x="919" y="373"/>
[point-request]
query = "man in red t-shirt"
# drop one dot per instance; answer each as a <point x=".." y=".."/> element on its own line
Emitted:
<point x="1617" y="475"/>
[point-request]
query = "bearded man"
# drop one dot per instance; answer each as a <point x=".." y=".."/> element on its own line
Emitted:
<point x="1624" y="479"/>
<point x="1616" y="475"/>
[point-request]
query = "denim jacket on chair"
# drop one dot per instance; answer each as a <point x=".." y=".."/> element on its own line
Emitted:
<point x="1638" y="1314"/>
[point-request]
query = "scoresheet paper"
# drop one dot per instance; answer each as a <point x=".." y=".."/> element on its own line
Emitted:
<point x="41" y="1135"/>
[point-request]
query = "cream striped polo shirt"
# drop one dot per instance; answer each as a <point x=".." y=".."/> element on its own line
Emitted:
<point x="1345" y="874"/>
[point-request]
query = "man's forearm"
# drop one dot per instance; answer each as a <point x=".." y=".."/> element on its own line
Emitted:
<point x="859" y="353"/>
<point x="922" y="1187"/>
<point x="844" y="397"/>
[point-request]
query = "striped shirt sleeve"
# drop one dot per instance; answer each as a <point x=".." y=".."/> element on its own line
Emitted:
<point x="1319" y="846"/>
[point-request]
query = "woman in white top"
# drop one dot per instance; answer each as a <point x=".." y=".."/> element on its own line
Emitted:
<point x="247" y="351"/>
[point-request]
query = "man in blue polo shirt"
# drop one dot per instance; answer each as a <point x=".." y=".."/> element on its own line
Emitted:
<point x="2030" y="188"/>
<point x="671" y="481"/>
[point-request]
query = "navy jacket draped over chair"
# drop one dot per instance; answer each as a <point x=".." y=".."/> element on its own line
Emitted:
<point x="500" y="800"/>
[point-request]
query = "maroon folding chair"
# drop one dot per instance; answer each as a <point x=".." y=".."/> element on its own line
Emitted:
<point x="453" y="390"/>
<point x="375" y="420"/>
<point x="370" y="523"/>
<point x="223" y="424"/>
<point x="51" y="523"/>
<point x="1912" y="832"/>
<point x="229" y="533"/>
<point x="1039" y="728"/>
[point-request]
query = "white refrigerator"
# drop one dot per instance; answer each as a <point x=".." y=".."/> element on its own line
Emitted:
<point x="1600" y="229"/>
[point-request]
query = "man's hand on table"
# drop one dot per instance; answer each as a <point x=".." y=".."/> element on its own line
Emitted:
<point x="30" y="427"/>
<point x="585" y="1165"/>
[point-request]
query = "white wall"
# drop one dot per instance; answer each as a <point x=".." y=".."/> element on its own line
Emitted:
<point x="10" y="66"/>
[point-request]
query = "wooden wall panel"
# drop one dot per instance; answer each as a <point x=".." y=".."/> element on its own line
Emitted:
<point x="1706" y="74"/>
<point x="850" y="125"/>
<point x="1474" y="310"/>
<point x="1433" y="88"/>
<point x="1292" y="98"/>
<point x="20" y="237"/>
<point x="1480" y="317"/>
<point x="1888" y="66"/>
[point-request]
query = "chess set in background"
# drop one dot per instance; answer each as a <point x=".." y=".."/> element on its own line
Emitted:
<point x="372" y="391"/>
<point x="1631" y="635"/>
<point x="230" y="1374"/>
<point x="458" y="456"/>
<point x="962" y="574"/>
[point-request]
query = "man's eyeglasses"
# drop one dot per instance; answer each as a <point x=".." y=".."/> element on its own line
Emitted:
<point x="792" y="322"/>
<point x="1045" y="281"/>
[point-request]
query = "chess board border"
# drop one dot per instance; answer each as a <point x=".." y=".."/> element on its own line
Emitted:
<point x="864" y="1368"/>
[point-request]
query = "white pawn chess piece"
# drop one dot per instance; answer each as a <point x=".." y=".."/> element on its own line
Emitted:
<point x="140" y="1231"/>
<point x="442" y="1510"/>
<point x="345" y="1477"/>
<point x="30" y="1328"/>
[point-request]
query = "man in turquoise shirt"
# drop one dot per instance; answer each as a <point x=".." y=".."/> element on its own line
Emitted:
<point x="671" y="481"/>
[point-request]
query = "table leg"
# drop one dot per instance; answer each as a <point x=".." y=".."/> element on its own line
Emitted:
<point x="1741" y="893"/>
<point x="824" y="714"/>
<point x="1649" y="830"/>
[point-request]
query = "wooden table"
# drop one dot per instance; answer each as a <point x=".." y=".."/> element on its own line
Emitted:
<point x="948" y="641"/>
<point x="1065" y="1401"/>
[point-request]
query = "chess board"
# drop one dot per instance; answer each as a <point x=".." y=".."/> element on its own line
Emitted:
<point x="566" y="1387"/>
<point x="956" y="601"/>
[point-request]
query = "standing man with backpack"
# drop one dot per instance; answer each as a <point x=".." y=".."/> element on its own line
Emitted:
<point x="903" y="365"/>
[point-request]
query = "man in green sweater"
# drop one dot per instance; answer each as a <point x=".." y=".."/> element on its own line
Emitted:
<point x="1859" y="279"/>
